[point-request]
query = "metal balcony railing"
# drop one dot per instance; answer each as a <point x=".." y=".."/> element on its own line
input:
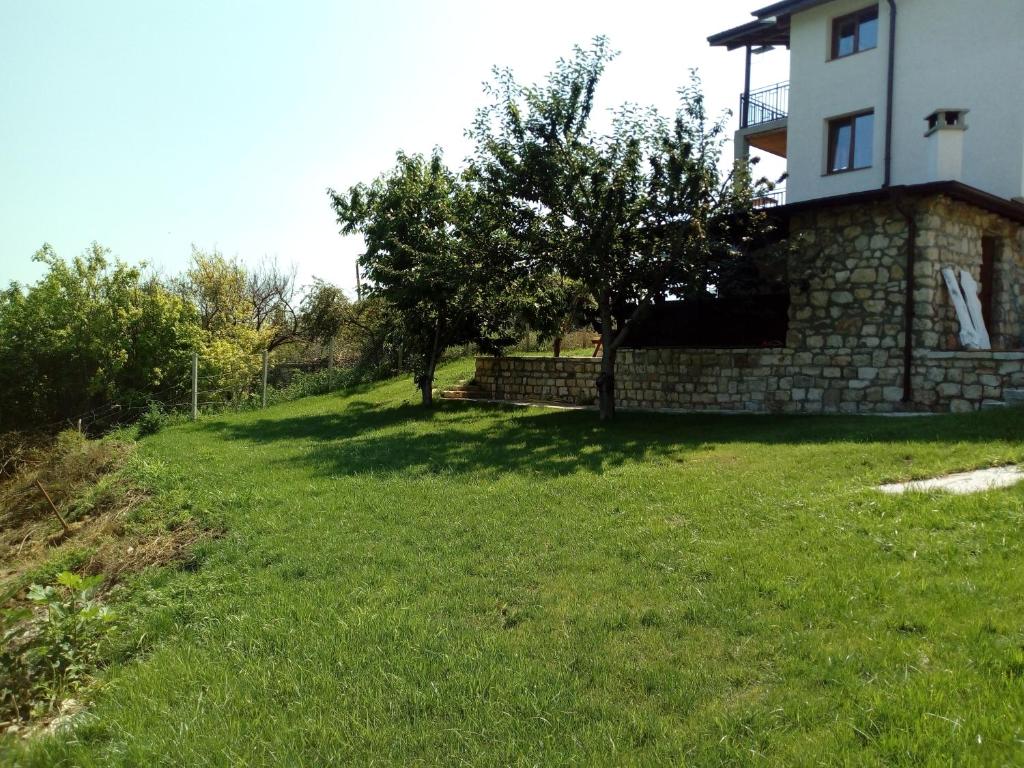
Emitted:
<point x="764" y="105"/>
<point x="771" y="199"/>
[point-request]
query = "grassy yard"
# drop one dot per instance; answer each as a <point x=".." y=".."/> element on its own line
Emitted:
<point x="490" y="586"/>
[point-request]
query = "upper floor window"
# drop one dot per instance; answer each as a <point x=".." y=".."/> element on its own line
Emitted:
<point x="851" y="142"/>
<point x="855" y="32"/>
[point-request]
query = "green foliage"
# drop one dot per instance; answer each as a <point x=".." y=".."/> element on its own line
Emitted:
<point x="637" y="214"/>
<point x="91" y="332"/>
<point x="230" y="364"/>
<point x="216" y="286"/>
<point x="325" y="310"/>
<point x="151" y="421"/>
<point x="419" y="258"/>
<point x="559" y="305"/>
<point x="49" y="650"/>
<point x="231" y="298"/>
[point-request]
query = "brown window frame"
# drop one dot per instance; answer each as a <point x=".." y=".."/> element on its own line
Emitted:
<point x="858" y="18"/>
<point x="833" y="136"/>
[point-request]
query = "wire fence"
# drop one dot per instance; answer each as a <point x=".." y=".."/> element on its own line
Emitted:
<point x="202" y="386"/>
<point x="196" y="392"/>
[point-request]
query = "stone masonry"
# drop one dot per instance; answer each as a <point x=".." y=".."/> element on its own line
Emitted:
<point x="845" y="344"/>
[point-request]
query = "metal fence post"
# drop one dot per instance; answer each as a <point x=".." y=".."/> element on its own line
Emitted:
<point x="195" y="386"/>
<point x="266" y="359"/>
<point x="330" y="363"/>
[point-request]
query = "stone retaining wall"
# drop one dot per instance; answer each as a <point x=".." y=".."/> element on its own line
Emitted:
<point x="759" y="380"/>
<point x="845" y="342"/>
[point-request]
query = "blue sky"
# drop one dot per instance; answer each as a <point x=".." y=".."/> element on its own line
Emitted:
<point x="151" y="126"/>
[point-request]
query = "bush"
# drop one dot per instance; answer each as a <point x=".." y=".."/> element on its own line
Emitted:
<point x="91" y="334"/>
<point x="49" y="652"/>
<point x="151" y="421"/>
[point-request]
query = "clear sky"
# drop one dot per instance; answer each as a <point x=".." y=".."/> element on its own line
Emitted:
<point x="151" y="126"/>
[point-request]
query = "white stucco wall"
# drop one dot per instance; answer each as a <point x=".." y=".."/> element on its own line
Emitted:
<point x="950" y="53"/>
<point x="821" y="89"/>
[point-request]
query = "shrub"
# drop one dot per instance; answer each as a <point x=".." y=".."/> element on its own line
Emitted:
<point x="151" y="421"/>
<point x="49" y="651"/>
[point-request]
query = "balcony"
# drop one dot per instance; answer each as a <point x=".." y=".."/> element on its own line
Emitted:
<point x="771" y="199"/>
<point x="765" y="105"/>
<point x="763" y="117"/>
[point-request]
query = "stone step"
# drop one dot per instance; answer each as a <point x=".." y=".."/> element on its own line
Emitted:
<point x="1014" y="396"/>
<point x="993" y="405"/>
<point x="464" y="393"/>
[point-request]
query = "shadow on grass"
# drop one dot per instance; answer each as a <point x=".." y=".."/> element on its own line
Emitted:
<point x="367" y="437"/>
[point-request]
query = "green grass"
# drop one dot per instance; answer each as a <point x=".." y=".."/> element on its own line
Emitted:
<point x="480" y="585"/>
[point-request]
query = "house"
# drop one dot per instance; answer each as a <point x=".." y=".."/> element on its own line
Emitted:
<point x="902" y="129"/>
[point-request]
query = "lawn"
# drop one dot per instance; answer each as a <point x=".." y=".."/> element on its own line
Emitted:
<point x="477" y="585"/>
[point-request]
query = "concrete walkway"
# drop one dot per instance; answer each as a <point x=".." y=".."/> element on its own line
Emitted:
<point x="962" y="483"/>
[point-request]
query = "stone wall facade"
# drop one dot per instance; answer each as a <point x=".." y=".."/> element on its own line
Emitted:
<point x="757" y="381"/>
<point x="951" y="236"/>
<point x="845" y="344"/>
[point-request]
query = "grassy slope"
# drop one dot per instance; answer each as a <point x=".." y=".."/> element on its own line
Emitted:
<point x="492" y="586"/>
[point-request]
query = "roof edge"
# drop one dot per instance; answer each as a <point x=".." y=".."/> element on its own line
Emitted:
<point x="787" y="8"/>
<point x="956" y="190"/>
<point x="753" y="32"/>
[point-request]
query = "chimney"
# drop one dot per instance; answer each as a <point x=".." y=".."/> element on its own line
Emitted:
<point x="945" y="136"/>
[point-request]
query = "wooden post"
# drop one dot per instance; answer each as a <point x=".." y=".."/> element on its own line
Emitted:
<point x="195" y="386"/>
<point x="266" y="361"/>
<point x="359" y="284"/>
<point x="63" y="522"/>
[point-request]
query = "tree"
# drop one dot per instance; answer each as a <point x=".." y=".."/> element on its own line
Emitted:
<point x="325" y="309"/>
<point x="274" y="302"/>
<point x="216" y="287"/>
<point x="93" y="333"/>
<point x="636" y="214"/>
<point x="414" y="220"/>
<point x="229" y="297"/>
<point x="557" y="306"/>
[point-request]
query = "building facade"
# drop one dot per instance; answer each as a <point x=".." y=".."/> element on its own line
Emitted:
<point x="832" y="120"/>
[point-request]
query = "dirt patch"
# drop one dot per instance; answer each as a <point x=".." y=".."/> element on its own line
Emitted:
<point x="71" y="508"/>
<point x="72" y="503"/>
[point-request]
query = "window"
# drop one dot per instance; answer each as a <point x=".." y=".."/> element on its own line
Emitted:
<point x="851" y="142"/>
<point x="855" y="33"/>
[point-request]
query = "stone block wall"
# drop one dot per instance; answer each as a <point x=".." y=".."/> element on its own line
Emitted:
<point x="845" y="343"/>
<point x="961" y="381"/>
<point x="848" y="281"/>
<point x="565" y="380"/>
<point x="759" y="380"/>
<point x="951" y="235"/>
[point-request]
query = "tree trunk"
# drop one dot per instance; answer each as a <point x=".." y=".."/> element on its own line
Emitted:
<point x="427" y="388"/>
<point x="606" y="380"/>
<point x="610" y="343"/>
<point x="427" y="380"/>
<point x="558" y="346"/>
